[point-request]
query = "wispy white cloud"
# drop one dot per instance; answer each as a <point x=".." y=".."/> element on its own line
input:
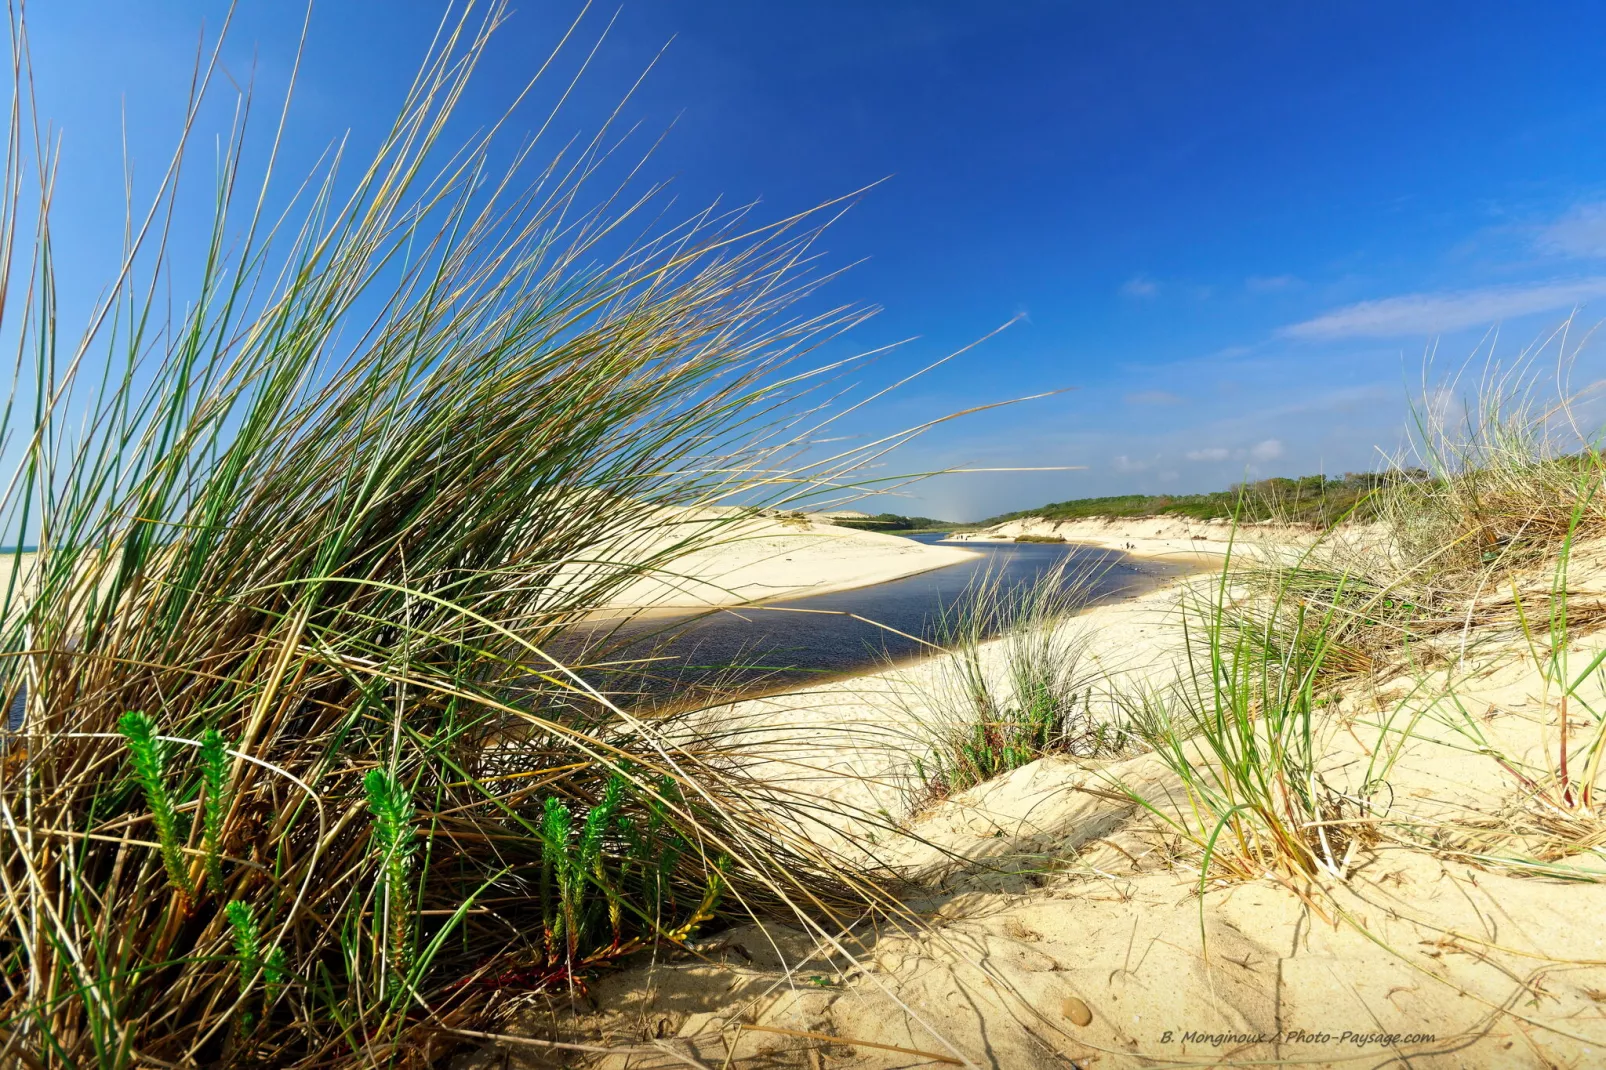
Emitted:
<point x="1269" y="450"/>
<point x="1123" y="463"/>
<point x="1433" y="312"/>
<point x="1581" y="232"/>
<point x="1152" y="397"/>
<point x="1263" y="284"/>
<point x="1140" y="286"/>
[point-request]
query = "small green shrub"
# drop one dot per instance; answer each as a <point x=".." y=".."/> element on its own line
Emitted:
<point x="394" y="840"/>
<point x="1243" y="730"/>
<point x="1003" y="706"/>
<point x="247" y="943"/>
<point x="147" y="755"/>
<point x="215" y="803"/>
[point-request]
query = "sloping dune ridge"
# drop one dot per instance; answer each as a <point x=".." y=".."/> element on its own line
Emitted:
<point x="1054" y="922"/>
<point x="1166" y="536"/>
<point x="767" y="556"/>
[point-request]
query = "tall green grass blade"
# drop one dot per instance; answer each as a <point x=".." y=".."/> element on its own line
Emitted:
<point x="332" y="511"/>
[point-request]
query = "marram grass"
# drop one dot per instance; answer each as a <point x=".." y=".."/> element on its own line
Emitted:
<point x="1468" y="546"/>
<point x="298" y="784"/>
<point x="1037" y="701"/>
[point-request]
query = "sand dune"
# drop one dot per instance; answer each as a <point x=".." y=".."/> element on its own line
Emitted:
<point x="768" y="557"/>
<point x="1151" y="536"/>
<point x="746" y="559"/>
<point x="1060" y="925"/>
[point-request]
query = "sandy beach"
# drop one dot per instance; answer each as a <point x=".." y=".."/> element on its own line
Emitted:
<point x="769" y="557"/>
<point x="751" y="559"/>
<point x="1156" y="537"/>
<point x="1052" y="920"/>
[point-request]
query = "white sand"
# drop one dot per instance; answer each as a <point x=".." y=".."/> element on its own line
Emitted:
<point x="749" y="560"/>
<point x="1062" y="925"/>
<point x="764" y="558"/>
<point x="1161" y="537"/>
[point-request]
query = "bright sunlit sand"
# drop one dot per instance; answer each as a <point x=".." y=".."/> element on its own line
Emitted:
<point x="770" y="558"/>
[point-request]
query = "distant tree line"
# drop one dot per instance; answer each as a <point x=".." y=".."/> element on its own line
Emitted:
<point x="1317" y="499"/>
<point x="897" y="522"/>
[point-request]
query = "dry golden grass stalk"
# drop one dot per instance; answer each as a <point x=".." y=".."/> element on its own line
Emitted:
<point x="297" y="783"/>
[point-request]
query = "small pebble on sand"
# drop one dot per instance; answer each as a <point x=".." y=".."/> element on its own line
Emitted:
<point x="1077" y="1011"/>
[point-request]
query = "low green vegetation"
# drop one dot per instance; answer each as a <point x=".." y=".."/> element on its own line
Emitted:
<point x="899" y="525"/>
<point x="984" y="722"/>
<point x="1317" y="500"/>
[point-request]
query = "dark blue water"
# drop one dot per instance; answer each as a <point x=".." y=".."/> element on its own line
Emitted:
<point x="775" y="647"/>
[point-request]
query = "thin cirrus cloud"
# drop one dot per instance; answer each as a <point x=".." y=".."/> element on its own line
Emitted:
<point x="1152" y="397"/>
<point x="1581" y="232"/>
<point x="1268" y="450"/>
<point x="1125" y="464"/>
<point x="1431" y="313"/>
<point x="1265" y="284"/>
<point x="1140" y="286"/>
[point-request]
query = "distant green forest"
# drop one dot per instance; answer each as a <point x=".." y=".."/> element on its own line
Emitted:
<point x="1322" y="500"/>
<point x="902" y="525"/>
<point x="1318" y="499"/>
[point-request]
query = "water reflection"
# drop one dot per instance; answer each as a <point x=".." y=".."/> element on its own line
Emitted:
<point x="786" y="644"/>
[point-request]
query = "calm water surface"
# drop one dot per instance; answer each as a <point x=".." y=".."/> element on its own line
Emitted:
<point x="769" y="648"/>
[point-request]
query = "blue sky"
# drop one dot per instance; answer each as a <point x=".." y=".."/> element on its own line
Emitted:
<point x="1234" y="228"/>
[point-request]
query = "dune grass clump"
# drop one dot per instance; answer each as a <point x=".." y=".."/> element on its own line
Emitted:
<point x="1243" y="730"/>
<point x="297" y="782"/>
<point x="990" y="720"/>
<point x="1458" y="538"/>
<point x="1513" y="470"/>
<point x="1554" y="822"/>
<point x="1370" y="625"/>
<point x="1468" y="545"/>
